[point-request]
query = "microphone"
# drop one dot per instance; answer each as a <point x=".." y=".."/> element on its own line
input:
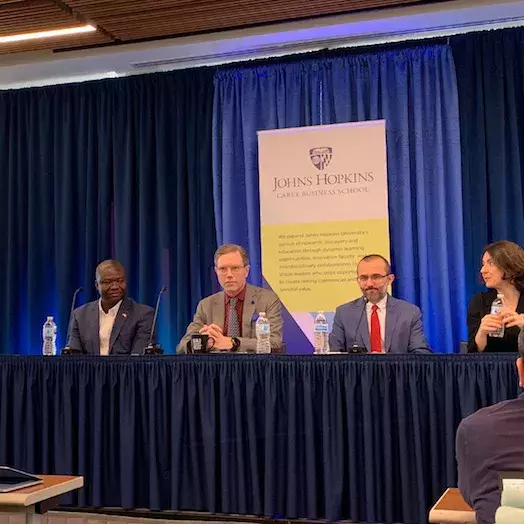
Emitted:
<point x="155" y="349"/>
<point x="68" y="350"/>
<point x="355" y="348"/>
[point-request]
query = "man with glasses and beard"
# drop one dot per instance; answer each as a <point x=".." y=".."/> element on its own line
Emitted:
<point x="377" y="321"/>
<point x="229" y="316"/>
<point x="114" y="324"/>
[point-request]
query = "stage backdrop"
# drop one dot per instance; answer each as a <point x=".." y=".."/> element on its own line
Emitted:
<point x="323" y="206"/>
<point x="415" y="91"/>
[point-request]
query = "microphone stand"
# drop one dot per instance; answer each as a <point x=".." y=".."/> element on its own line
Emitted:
<point x="68" y="350"/>
<point x="355" y="349"/>
<point x="155" y="349"/>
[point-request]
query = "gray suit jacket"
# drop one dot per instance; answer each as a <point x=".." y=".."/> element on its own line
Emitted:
<point x="211" y="310"/>
<point x="404" y="332"/>
<point x="130" y="333"/>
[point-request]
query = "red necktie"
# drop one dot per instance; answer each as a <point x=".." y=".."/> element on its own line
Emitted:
<point x="376" y="341"/>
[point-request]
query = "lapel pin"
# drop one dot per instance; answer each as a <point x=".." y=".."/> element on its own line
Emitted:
<point x="124" y="315"/>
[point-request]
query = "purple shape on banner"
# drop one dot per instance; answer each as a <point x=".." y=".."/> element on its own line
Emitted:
<point x="296" y="341"/>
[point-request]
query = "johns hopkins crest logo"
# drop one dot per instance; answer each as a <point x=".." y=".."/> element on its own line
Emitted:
<point x="321" y="157"/>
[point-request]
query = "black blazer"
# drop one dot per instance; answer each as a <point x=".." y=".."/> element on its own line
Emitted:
<point x="480" y="306"/>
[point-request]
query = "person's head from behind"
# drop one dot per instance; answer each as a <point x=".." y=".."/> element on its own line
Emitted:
<point x="502" y="265"/>
<point x="374" y="276"/>
<point x="111" y="282"/>
<point x="232" y="268"/>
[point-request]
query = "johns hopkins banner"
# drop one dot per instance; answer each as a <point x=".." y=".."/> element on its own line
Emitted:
<point x="323" y="206"/>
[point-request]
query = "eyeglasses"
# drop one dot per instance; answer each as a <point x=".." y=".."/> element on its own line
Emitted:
<point x="375" y="278"/>
<point x="109" y="281"/>
<point x="224" y="269"/>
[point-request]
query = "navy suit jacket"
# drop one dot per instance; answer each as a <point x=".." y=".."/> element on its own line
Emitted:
<point x="130" y="333"/>
<point x="403" y="332"/>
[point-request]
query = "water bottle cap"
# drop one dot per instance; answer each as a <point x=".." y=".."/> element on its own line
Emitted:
<point x="49" y="318"/>
<point x="500" y="295"/>
<point x="262" y="314"/>
<point x="320" y="312"/>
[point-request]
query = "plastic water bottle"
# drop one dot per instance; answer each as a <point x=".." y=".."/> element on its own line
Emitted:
<point x="320" y="331"/>
<point x="263" y="333"/>
<point x="49" y="336"/>
<point x="496" y="306"/>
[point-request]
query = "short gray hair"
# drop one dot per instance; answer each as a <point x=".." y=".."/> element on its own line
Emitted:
<point x="231" y="248"/>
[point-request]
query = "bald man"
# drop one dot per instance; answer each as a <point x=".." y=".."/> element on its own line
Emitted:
<point x="114" y="324"/>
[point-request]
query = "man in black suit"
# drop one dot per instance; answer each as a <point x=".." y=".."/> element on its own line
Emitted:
<point x="114" y="324"/>
<point x="488" y="442"/>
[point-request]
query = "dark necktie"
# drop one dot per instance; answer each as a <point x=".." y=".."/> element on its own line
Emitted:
<point x="233" y="328"/>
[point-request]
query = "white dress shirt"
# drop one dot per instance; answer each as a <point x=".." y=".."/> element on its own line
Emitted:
<point x="106" y="323"/>
<point x="381" y="312"/>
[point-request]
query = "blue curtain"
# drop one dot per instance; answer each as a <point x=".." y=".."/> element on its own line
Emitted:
<point x="490" y="76"/>
<point x="415" y="91"/>
<point x="118" y="168"/>
<point x="247" y="100"/>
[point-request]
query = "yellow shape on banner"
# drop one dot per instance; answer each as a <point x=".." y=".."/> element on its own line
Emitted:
<point x="312" y="267"/>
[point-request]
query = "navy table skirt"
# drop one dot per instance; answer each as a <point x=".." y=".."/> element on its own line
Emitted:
<point x="364" y="437"/>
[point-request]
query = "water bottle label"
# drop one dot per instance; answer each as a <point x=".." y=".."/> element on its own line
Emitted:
<point x="321" y="328"/>
<point x="263" y="329"/>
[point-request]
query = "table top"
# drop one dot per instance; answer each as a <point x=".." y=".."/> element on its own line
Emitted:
<point x="52" y="486"/>
<point x="220" y="356"/>
<point x="451" y="508"/>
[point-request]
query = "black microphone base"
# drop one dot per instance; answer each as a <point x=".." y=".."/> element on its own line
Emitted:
<point x="155" y="349"/>
<point x="71" y="351"/>
<point x="356" y="350"/>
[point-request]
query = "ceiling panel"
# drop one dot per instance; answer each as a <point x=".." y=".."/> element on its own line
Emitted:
<point x="121" y="21"/>
<point x="35" y="15"/>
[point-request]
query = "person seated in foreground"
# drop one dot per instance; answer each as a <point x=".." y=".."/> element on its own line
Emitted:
<point x="489" y="442"/>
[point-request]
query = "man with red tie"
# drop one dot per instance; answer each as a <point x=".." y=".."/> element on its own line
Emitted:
<point x="377" y="321"/>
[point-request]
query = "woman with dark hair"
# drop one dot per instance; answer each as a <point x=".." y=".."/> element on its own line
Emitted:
<point x="502" y="271"/>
